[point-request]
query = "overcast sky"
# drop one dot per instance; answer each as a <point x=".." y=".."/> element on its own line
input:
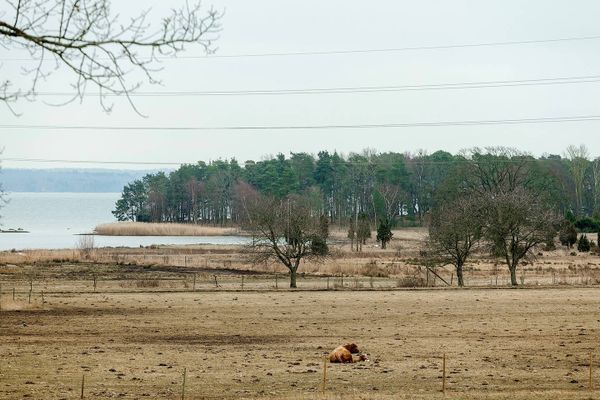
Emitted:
<point x="267" y="26"/>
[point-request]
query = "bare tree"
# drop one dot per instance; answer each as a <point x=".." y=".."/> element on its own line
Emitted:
<point x="2" y="194"/>
<point x="496" y="170"/>
<point x="596" y="183"/>
<point x="283" y="230"/>
<point x="391" y="195"/>
<point x="455" y="230"/>
<point x="578" y="163"/>
<point x="95" y="45"/>
<point x="517" y="222"/>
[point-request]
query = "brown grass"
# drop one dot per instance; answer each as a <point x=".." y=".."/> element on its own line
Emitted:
<point x="500" y="344"/>
<point x="162" y="229"/>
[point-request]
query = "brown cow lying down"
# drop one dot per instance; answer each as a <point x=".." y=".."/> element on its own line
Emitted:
<point x="343" y="354"/>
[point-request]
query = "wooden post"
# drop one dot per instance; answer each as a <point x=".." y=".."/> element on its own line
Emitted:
<point x="590" y="384"/>
<point x="183" y="386"/>
<point x="194" y="284"/>
<point x="444" y="374"/>
<point x="216" y="283"/>
<point x="13" y="294"/>
<point x="276" y="283"/>
<point x="242" y="282"/>
<point x="94" y="278"/>
<point x="324" y="374"/>
<point x="451" y="278"/>
<point x="185" y="261"/>
<point x="30" y="297"/>
<point x="327" y="283"/>
<point x="0" y="297"/>
<point x="43" y="298"/>
<point x="82" y="385"/>
<point x="342" y="280"/>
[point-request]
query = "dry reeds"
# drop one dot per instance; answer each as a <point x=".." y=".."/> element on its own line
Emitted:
<point x="161" y="229"/>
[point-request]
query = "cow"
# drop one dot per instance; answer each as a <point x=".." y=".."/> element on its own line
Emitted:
<point x="347" y="353"/>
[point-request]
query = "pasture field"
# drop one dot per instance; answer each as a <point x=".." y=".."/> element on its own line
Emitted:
<point x="129" y="322"/>
<point x="500" y="344"/>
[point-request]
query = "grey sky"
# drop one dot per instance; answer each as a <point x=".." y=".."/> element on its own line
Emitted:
<point x="290" y="26"/>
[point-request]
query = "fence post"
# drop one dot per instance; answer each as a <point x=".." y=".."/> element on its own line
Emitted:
<point x="43" y="298"/>
<point x="82" y="385"/>
<point x="451" y="278"/>
<point x="276" y="283"/>
<point x="324" y="374"/>
<point x="13" y="294"/>
<point x="0" y="297"/>
<point x="444" y="374"/>
<point x="590" y="384"/>
<point x="183" y="386"/>
<point x="194" y="284"/>
<point x="327" y="283"/>
<point x="242" y="282"/>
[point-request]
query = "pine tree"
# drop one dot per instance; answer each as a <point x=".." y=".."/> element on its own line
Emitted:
<point x="384" y="232"/>
<point x="583" y="244"/>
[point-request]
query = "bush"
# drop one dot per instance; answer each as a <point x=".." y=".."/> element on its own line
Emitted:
<point x="567" y="234"/>
<point x="550" y="245"/>
<point x="587" y="225"/>
<point x="583" y="244"/>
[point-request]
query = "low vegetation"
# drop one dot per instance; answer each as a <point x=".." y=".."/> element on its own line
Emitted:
<point x="162" y="229"/>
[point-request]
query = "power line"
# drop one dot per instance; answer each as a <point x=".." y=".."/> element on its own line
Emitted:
<point x="363" y="51"/>
<point x="310" y="127"/>
<point x="356" y="89"/>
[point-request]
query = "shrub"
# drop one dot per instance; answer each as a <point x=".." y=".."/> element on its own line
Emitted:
<point x="587" y="224"/>
<point x="583" y="244"/>
<point x="567" y="234"/>
<point x="550" y="245"/>
<point x="371" y="269"/>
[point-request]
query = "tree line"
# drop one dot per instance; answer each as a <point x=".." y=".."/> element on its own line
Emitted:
<point x="400" y="188"/>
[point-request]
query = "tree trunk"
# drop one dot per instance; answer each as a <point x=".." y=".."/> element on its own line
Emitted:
<point x="383" y="244"/>
<point x="513" y="275"/>
<point x="459" y="276"/>
<point x="293" y="277"/>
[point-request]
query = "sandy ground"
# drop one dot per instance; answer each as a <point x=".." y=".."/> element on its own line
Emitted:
<point x="500" y="343"/>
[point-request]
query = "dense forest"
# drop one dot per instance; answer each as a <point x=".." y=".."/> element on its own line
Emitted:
<point x="400" y="187"/>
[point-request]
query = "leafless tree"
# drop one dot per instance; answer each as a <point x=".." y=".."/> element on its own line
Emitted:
<point x="284" y="230"/>
<point x="454" y="232"/>
<point x="391" y="195"/>
<point x="578" y="163"/>
<point x="515" y="223"/>
<point x="496" y="170"/>
<point x="95" y="45"/>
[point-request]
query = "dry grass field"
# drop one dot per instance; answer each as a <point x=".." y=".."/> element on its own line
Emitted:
<point x="131" y="320"/>
<point x="162" y="229"/>
<point x="500" y="344"/>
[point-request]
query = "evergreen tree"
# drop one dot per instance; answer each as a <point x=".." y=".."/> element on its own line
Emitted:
<point x="384" y="232"/>
<point x="567" y="234"/>
<point x="583" y="244"/>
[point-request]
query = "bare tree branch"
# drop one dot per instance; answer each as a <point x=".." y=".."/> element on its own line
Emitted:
<point x="96" y="46"/>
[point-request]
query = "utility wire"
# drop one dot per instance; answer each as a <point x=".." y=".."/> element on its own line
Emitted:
<point x="307" y="127"/>
<point x="354" y="89"/>
<point x="364" y="51"/>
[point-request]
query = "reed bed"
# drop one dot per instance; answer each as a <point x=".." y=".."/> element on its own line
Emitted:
<point x="162" y="229"/>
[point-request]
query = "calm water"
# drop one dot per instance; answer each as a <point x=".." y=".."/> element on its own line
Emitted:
<point x="54" y="221"/>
